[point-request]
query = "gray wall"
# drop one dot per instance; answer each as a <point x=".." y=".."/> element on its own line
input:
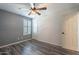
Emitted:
<point x="11" y="27"/>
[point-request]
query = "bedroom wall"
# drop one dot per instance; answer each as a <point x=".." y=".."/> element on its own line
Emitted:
<point x="11" y="27"/>
<point x="47" y="27"/>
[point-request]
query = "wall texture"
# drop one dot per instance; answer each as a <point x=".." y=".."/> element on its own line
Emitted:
<point x="48" y="27"/>
<point x="11" y="27"/>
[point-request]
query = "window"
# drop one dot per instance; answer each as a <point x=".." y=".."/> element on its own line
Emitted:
<point x="27" y="27"/>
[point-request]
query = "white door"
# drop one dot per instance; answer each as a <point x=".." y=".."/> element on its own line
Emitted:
<point x="70" y="33"/>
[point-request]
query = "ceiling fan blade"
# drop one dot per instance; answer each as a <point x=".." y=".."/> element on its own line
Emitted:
<point x="29" y="13"/>
<point x="37" y="12"/>
<point x="43" y="8"/>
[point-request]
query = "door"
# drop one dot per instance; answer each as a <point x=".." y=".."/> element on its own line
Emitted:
<point x="70" y="33"/>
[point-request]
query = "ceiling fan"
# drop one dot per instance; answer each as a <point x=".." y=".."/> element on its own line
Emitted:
<point x="36" y="10"/>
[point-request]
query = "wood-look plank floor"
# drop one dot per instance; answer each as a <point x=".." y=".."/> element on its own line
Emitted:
<point x="34" y="47"/>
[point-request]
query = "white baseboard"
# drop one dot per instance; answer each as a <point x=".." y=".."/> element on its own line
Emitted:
<point x="13" y="43"/>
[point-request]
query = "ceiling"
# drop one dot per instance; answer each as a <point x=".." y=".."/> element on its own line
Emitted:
<point x="64" y="9"/>
<point x="60" y="8"/>
<point x="14" y="8"/>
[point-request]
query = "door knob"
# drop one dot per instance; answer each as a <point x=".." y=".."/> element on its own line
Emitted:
<point x="62" y="32"/>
